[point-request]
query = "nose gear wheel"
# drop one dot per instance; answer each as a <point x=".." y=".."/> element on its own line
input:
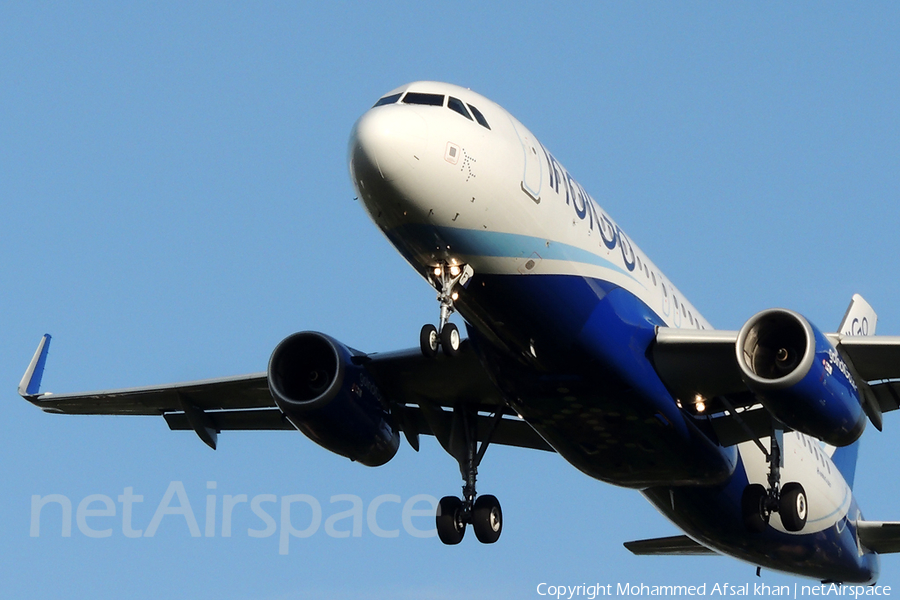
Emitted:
<point x="446" y="335"/>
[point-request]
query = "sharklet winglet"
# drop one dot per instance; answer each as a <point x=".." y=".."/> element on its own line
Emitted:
<point x="30" y="386"/>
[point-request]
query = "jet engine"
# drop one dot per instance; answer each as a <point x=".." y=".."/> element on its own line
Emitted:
<point x="799" y="376"/>
<point x="317" y="383"/>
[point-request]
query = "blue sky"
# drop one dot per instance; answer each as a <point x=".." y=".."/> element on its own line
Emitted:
<point x="174" y="201"/>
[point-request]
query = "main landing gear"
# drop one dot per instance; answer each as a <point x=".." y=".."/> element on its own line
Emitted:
<point x="482" y="512"/>
<point x="789" y="501"/>
<point x="446" y="335"/>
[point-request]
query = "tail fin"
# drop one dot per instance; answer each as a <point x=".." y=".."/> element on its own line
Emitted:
<point x="860" y="318"/>
<point x="844" y="459"/>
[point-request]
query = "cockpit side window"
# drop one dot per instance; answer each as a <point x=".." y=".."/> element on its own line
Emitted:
<point x="388" y="99"/>
<point x="421" y="98"/>
<point x="457" y="105"/>
<point x="479" y="117"/>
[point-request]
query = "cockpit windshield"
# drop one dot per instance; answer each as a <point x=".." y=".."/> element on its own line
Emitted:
<point x="424" y="99"/>
<point x="388" y="99"/>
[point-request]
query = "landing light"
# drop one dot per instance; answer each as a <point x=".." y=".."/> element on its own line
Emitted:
<point x="699" y="403"/>
<point x="437" y="271"/>
<point x="454" y="295"/>
<point x="454" y="270"/>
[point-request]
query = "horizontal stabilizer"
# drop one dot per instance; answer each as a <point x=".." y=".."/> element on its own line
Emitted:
<point x="678" y="545"/>
<point x="882" y="537"/>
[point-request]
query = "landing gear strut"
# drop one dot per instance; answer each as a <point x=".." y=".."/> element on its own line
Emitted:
<point x="446" y="335"/>
<point x="789" y="501"/>
<point x="482" y="512"/>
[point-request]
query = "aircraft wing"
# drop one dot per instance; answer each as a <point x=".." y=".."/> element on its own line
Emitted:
<point x="704" y="362"/>
<point x="882" y="537"/>
<point x="677" y="545"/>
<point x="247" y="392"/>
<point x="877" y="360"/>
<point x="417" y="387"/>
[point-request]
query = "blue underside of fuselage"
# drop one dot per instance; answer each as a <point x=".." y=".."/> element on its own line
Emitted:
<point x="571" y="355"/>
<point x="600" y="403"/>
<point x="574" y="363"/>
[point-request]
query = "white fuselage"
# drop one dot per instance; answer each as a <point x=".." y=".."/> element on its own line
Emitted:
<point x="473" y="186"/>
<point x="500" y="185"/>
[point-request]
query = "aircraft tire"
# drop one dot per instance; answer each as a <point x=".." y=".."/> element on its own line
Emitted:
<point x="487" y="519"/>
<point x="792" y="506"/>
<point x="450" y="339"/>
<point x="449" y="527"/>
<point x="752" y="508"/>
<point x="428" y="340"/>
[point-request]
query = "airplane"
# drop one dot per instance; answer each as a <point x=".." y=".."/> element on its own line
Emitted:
<point x="576" y="344"/>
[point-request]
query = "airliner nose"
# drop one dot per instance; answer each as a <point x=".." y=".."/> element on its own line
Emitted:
<point x="387" y="141"/>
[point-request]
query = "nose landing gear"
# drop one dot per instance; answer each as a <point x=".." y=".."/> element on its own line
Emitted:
<point x="446" y="335"/>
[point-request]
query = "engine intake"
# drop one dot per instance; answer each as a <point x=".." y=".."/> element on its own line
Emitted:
<point x="321" y="390"/>
<point x="799" y="376"/>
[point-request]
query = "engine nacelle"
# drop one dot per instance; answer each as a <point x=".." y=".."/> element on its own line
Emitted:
<point x="799" y="376"/>
<point x="316" y="384"/>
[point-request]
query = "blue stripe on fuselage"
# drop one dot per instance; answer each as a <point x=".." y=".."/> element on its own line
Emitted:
<point x="495" y="244"/>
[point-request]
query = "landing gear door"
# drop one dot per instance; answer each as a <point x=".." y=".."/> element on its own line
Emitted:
<point x="532" y="176"/>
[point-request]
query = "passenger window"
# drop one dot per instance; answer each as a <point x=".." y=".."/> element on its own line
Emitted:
<point x="637" y="259"/>
<point x="479" y="117"/>
<point x="426" y="99"/>
<point x="653" y="274"/>
<point x="647" y="270"/>
<point x="457" y="105"/>
<point x="388" y="99"/>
